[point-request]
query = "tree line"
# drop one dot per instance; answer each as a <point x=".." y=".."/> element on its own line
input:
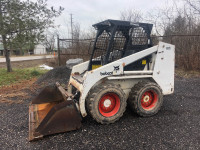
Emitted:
<point x="178" y="24"/>
<point x="22" y="24"/>
<point x="25" y="23"/>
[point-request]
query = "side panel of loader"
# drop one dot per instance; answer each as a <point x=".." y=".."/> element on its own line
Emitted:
<point x="163" y="72"/>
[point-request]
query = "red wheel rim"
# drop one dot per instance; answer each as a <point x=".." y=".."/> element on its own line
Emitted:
<point x="149" y="100"/>
<point x="109" y="104"/>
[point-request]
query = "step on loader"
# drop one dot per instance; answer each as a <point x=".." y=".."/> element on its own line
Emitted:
<point x="124" y="68"/>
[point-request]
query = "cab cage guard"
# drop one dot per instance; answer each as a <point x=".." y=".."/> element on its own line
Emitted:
<point x="117" y="39"/>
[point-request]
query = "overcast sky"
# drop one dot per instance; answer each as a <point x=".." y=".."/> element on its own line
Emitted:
<point x="88" y="12"/>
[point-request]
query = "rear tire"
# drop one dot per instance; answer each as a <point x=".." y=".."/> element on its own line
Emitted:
<point x="145" y="98"/>
<point x="106" y="103"/>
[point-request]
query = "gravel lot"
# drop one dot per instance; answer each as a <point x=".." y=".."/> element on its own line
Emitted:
<point x="176" y="126"/>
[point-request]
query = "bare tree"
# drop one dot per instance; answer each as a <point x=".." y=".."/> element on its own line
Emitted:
<point x="50" y="39"/>
<point x="131" y="15"/>
<point x="76" y="31"/>
<point x="194" y="4"/>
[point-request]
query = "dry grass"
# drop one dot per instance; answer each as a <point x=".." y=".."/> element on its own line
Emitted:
<point x="187" y="74"/>
<point x="12" y="95"/>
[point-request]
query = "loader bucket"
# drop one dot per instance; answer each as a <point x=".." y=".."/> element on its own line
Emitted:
<point x="53" y="113"/>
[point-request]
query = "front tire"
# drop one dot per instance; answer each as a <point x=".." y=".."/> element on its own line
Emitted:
<point x="106" y="103"/>
<point x="146" y="98"/>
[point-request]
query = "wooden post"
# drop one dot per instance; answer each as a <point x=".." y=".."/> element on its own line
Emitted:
<point x="58" y="42"/>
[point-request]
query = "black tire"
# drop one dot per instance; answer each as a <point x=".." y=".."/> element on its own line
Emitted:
<point x="145" y="98"/>
<point x="98" y="99"/>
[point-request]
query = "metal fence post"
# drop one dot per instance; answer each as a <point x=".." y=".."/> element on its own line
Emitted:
<point x="171" y="39"/>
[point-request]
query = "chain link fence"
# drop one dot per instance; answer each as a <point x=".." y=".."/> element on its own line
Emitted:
<point x="187" y="49"/>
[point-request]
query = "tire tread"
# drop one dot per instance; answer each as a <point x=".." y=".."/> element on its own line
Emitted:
<point x="133" y="98"/>
<point x="91" y="98"/>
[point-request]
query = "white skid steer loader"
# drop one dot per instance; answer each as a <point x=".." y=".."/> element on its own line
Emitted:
<point x="124" y="68"/>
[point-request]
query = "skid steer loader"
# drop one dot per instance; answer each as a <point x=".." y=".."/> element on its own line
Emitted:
<point x="124" y="68"/>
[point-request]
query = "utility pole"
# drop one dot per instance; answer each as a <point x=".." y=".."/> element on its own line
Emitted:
<point x="58" y="46"/>
<point x="71" y="27"/>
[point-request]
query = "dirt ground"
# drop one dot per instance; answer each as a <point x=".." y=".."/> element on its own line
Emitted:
<point x="17" y="93"/>
<point x="176" y="126"/>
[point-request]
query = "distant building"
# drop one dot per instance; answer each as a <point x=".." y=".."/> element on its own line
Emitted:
<point x="1" y="49"/>
<point x="40" y="49"/>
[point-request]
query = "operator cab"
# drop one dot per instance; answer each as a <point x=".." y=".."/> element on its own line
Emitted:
<point x="116" y="39"/>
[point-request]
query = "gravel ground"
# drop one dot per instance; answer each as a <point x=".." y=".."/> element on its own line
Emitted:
<point x="176" y="126"/>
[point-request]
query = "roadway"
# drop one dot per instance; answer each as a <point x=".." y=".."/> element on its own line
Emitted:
<point x="24" y="58"/>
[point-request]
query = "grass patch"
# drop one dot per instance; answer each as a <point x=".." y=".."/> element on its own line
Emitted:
<point x="7" y="78"/>
<point x="187" y="74"/>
